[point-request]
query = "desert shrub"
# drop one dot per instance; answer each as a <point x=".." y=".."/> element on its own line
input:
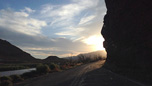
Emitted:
<point x="54" y="66"/>
<point x="42" y="68"/>
<point x="64" y="67"/>
<point x="29" y="74"/>
<point x="5" y="78"/>
<point x="6" y="83"/>
<point x="16" y="78"/>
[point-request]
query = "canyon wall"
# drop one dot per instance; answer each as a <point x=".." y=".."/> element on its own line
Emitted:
<point x="127" y="31"/>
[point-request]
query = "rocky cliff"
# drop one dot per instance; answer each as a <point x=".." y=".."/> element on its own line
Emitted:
<point x="11" y="53"/>
<point x="127" y="31"/>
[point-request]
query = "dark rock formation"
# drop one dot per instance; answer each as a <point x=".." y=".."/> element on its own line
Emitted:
<point x="127" y="31"/>
<point x="11" y="53"/>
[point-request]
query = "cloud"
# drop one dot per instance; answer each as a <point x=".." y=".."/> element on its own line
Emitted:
<point x="20" y="22"/>
<point x="71" y="31"/>
<point x="28" y="10"/>
<point x="85" y="20"/>
<point x="92" y="24"/>
<point x="68" y="10"/>
<point x="59" y="47"/>
<point x="77" y="14"/>
<point x="53" y="29"/>
<point x="41" y="47"/>
<point x="64" y="15"/>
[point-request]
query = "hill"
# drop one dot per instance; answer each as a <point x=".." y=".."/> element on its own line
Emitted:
<point x="11" y="53"/>
<point x="53" y="59"/>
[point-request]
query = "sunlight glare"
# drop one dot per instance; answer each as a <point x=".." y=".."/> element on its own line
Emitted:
<point x="96" y="41"/>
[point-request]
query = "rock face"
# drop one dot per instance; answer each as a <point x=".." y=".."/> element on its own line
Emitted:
<point x="11" y="53"/>
<point x="127" y="31"/>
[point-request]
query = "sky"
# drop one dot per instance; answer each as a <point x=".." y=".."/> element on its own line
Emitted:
<point x="53" y="27"/>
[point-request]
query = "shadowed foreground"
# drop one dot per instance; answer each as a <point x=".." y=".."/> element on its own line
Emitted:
<point x="85" y="75"/>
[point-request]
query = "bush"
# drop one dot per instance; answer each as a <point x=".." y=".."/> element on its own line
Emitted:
<point x="5" y="78"/>
<point x="6" y="83"/>
<point x="65" y="66"/>
<point x="16" y="78"/>
<point x="43" y="69"/>
<point x="54" y="66"/>
<point x="29" y="74"/>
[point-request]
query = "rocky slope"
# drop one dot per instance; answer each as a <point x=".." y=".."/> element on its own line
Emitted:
<point x="127" y="32"/>
<point x="11" y="53"/>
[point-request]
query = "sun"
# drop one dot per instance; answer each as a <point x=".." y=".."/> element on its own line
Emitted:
<point x="95" y="41"/>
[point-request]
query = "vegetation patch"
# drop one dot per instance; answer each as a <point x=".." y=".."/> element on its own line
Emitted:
<point x="6" y="81"/>
<point x="43" y="69"/>
<point x="16" y="78"/>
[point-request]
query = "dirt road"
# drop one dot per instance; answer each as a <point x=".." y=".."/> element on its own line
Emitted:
<point x="85" y="75"/>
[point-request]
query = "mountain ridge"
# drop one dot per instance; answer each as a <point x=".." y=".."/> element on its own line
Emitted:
<point x="9" y="52"/>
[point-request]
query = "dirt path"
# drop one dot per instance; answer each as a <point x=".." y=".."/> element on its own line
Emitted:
<point x="85" y="75"/>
